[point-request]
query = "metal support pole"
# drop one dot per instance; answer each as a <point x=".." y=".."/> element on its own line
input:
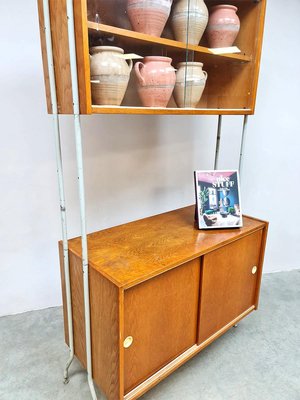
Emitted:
<point x="218" y="142"/>
<point x="79" y="156"/>
<point x="245" y="127"/>
<point x="60" y="182"/>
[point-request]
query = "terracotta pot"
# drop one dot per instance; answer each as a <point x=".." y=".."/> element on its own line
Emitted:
<point x="109" y="75"/>
<point x="156" y="81"/>
<point x="149" y="16"/>
<point x="190" y="83"/>
<point x="189" y="20"/>
<point x="223" y="26"/>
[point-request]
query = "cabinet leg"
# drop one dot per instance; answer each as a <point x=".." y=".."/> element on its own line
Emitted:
<point x="66" y="370"/>
<point x="235" y="326"/>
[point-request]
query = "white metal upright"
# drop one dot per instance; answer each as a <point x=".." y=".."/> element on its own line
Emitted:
<point x="78" y="139"/>
<point x="243" y="141"/>
<point x="242" y="146"/>
<point x="53" y="96"/>
<point x="218" y="141"/>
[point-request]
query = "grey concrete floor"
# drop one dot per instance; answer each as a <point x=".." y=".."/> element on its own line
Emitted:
<point x="259" y="360"/>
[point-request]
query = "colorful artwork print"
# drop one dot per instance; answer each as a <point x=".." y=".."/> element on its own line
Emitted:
<point x="218" y="199"/>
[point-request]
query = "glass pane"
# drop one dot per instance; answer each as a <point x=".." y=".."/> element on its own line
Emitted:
<point x="133" y="53"/>
<point x="154" y="53"/>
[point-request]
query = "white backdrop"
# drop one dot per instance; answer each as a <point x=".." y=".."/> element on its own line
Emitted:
<point x="135" y="165"/>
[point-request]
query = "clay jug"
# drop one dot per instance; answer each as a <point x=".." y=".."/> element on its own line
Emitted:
<point x="156" y="79"/>
<point x="223" y="26"/>
<point x="149" y="16"/>
<point x="189" y="20"/>
<point x="190" y="83"/>
<point x="109" y="75"/>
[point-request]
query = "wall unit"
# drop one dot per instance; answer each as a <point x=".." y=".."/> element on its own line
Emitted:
<point x="154" y="292"/>
<point x="161" y="291"/>
<point x="232" y="78"/>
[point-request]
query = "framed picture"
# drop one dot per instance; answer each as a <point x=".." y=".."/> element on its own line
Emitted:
<point x="218" y="203"/>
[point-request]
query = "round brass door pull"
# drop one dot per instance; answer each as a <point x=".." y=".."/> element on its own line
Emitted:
<point x="254" y="269"/>
<point x="128" y="342"/>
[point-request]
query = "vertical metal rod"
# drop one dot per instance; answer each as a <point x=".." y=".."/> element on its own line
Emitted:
<point x="60" y="182"/>
<point x="218" y="142"/>
<point x="243" y="141"/>
<point x="79" y="156"/>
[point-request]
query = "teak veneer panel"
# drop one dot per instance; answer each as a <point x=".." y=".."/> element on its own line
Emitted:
<point x="134" y="252"/>
<point x="227" y="283"/>
<point x="44" y="54"/>
<point x="61" y="55"/>
<point x="105" y="332"/>
<point x="168" y="111"/>
<point x="168" y="302"/>
<point x="105" y="325"/>
<point x="138" y="38"/>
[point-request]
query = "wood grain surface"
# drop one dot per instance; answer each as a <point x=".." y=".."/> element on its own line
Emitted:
<point x="169" y="111"/>
<point x="261" y="263"/>
<point x="134" y="252"/>
<point x="44" y="54"/>
<point x="82" y="55"/>
<point x="105" y="329"/>
<point x="61" y="55"/>
<point x="227" y="284"/>
<point x="139" y="39"/>
<point x="161" y="315"/>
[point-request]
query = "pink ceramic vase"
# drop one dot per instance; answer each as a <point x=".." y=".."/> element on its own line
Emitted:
<point x="156" y="81"/>
<point x="223" y="26"/>
<point x="149" y="16"/>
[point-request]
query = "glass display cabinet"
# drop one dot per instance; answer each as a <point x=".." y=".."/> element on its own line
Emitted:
<point x="158" y="57"/>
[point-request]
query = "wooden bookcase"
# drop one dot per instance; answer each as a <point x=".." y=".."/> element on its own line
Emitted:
<point x="161" y="291"/>
<point x="157" y="291"/>
<point x="232" y="78"/>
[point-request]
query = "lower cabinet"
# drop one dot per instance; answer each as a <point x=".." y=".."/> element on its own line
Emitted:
<point x="145" y="327"/>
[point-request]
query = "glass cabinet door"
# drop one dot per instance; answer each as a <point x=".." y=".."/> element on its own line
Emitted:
<point x="157" y="53"/>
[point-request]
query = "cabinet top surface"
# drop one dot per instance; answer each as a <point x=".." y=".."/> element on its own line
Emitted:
<point x="134" y="252"/>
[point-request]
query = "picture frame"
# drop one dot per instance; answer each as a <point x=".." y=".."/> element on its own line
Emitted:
<point x="218" y="200"/>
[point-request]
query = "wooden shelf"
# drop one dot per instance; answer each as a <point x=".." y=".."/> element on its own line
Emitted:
<point x="168" y="111"/>
<point x="142" y="38"/>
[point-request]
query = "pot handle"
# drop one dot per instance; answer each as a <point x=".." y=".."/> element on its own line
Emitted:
<point x="205" y="74"/>
<point x="138" y="67"/>
<point x="130" y="63"/>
